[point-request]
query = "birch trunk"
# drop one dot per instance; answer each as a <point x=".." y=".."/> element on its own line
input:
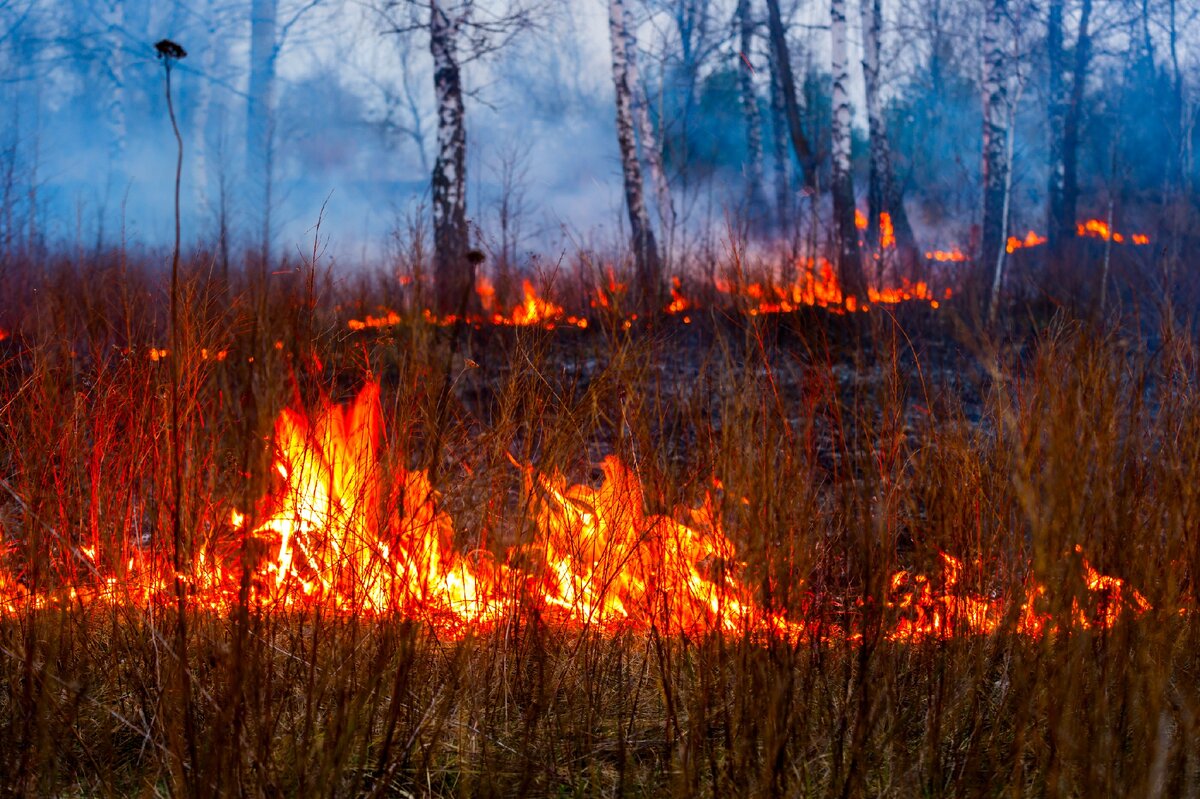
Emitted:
<point x="883" y="193"/>
<point x="645" y="248"/>
<point x="848" y="254"/>
<point x="260" y="119"/>
<point x="454" y="275"/>
<point x="651" y="149"/>
<point x="787" y="86"/>
<point x="995" y="138"/>
<point x="755" y="204"/>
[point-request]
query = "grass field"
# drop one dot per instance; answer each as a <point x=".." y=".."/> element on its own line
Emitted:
<point x="812" y="639"/>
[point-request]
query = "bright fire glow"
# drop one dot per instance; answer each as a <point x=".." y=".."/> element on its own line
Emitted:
<point x="348" y="528"/>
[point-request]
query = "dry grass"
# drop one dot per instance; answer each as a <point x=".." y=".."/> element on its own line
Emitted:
<point x="856" y="450"/>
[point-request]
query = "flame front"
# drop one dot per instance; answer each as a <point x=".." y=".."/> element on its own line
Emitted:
<point x="348" y="530"/>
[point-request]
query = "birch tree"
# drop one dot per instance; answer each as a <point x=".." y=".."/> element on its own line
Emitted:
<point x="453" y="275"/>
<point x="645" y="248"/>
<point x="651" y="148"/>
<point x="450" y="25"/>
<point x="751" y="115"/>
<point x="994" y="86"/>
<point x="849" y="260"/>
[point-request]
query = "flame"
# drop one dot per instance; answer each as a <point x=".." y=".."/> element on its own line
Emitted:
<point x="817" y="285"/>
<point x="679" y="303"/>
<point x="349" y="529"/>
<point x="342" y="534"/>
<point x="887" y="234"/>
<point x="1099" y="229"/>
<point x="1031" y="239"/>
<point x="860" y="219"/>
<point x="946" y="256"/>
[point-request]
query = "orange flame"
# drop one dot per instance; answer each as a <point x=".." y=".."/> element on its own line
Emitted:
<point x="348" y="529"/>
<point x="887" y="234"/>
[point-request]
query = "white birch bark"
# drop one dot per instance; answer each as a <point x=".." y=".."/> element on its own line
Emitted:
<point x="995" y="137"/>
<point x="849" y="264"/>
<point x="453" y="274"/>
<point x="651" y="148"/>
<point x="644" y="246"/>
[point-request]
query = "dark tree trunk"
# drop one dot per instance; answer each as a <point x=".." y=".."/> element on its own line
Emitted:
<point x="453" y="273"/>
<point x="1070" y="146"/>
<point x="755" y="204"/>
<point x="787" y="85"/>
<point x="260" y="118"/>
<point x="779" y="154"/>
<point x="883" y="192"/>
<point x="645" y="248"/>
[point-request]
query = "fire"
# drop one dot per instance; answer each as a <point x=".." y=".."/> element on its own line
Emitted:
<point x="860" y="219"/>
<point x="349" y="528"/>
<point x="340" y="533"/>
<point x="1031" y="239"/>
<point x="609" y="562"/>
<point x="388" y="319"/>
<point x="1099" y="229"/>
<point x="817" y="285"/>
<point x="887" y="234"/>
<point x="946" y="256"/>
<point x="679" y="303"/>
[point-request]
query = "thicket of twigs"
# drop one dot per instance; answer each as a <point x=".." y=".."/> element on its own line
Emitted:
<point x="847" y="449"/>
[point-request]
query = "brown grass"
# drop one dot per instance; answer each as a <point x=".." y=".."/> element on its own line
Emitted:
<point x="860" y="447"/>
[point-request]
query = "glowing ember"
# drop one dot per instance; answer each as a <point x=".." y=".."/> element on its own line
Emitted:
<point x="679" y="303"/>
<point x="946" y="256"/>
<point x="388" y="319"/>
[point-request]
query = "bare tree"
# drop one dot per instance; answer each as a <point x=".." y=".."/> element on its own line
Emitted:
<point x="849" y="258"/>
<point x="781" y="63"/>
<point x="113" y="21"/>
<point x="779" y="155"/>
<point x="645" y="248"/>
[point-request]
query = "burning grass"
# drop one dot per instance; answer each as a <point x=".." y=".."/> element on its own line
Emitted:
<point x="787" y="553"/>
